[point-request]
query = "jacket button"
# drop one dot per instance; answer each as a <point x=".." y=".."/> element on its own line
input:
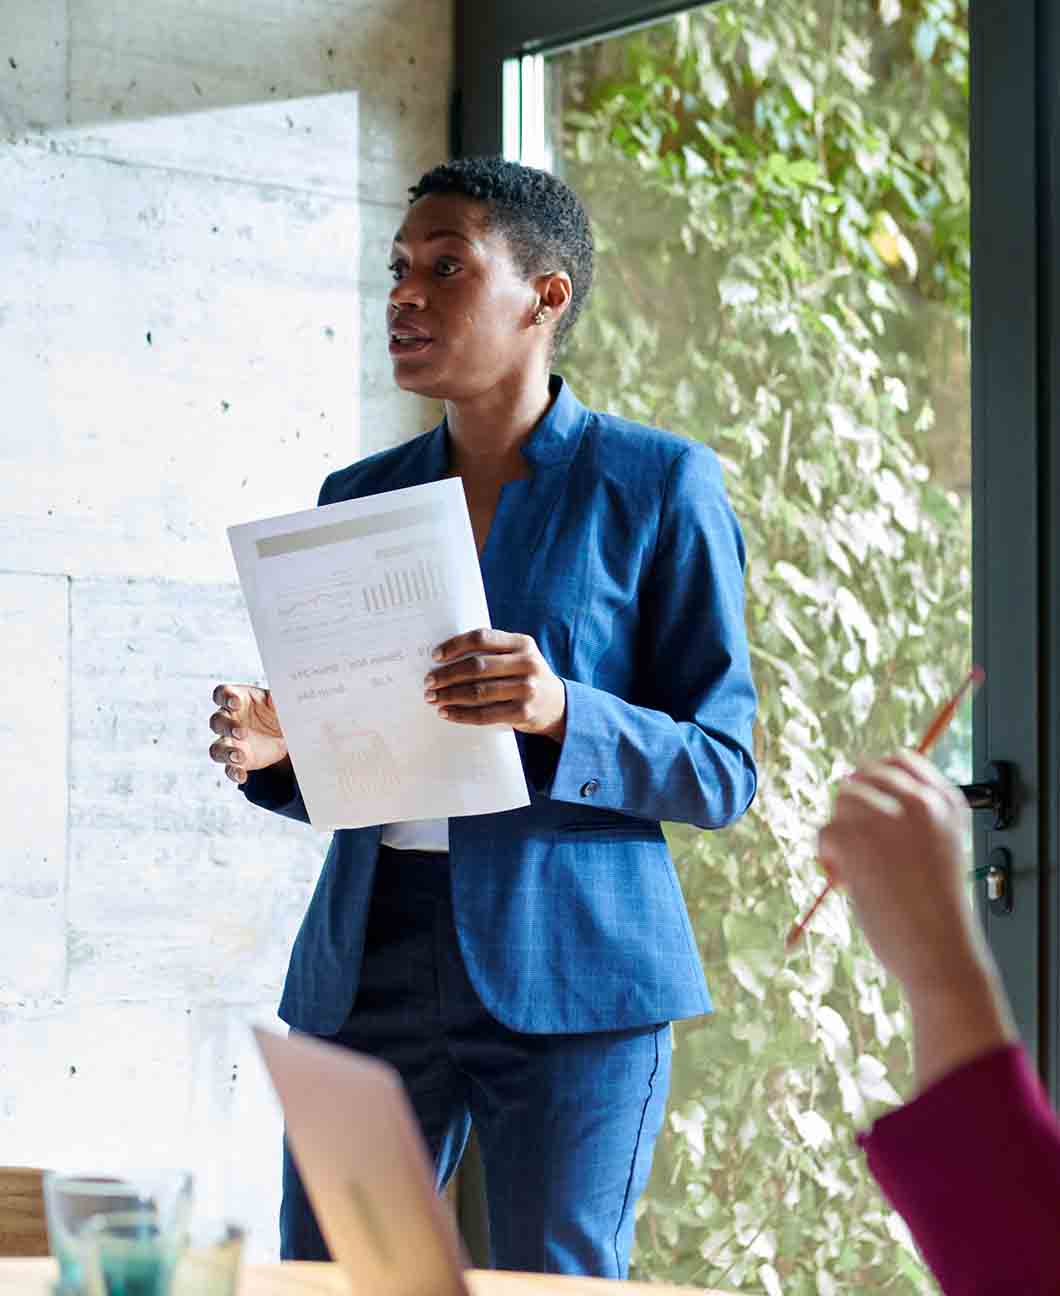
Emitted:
<point x="590" y="789"/>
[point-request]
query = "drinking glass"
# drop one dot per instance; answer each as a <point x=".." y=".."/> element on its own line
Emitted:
<point x="72" y="1200"/>
<point x="210" y="1264"/>
<point x="134" y="1253"/>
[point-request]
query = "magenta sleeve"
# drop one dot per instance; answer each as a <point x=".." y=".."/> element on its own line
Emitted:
<point x="973" y="1166"/>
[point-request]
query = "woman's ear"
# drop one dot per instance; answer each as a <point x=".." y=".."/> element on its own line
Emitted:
<point x="554" y="292"/>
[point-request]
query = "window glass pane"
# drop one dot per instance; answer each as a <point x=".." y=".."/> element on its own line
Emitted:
<point x="780" y="193"/>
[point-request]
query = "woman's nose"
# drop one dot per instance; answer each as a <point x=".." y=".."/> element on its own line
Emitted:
<point x="407" y="294"/>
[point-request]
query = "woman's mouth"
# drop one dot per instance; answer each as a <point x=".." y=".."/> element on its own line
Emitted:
<point x="405" y="342"/>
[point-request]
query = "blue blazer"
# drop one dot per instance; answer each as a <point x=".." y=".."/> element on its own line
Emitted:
<point x="621" y="556"/>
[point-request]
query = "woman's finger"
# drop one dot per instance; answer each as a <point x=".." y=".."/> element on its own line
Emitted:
<point x="891" y="780"/>
<point x="477" y="667"/>
<point x="481" y="692"/>
<point x="482" y="640"/>
<point x="506" y="713"/>
<point x="865" y="795"/>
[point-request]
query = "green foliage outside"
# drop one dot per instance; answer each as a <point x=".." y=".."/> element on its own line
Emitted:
<point x="780" y="193"/>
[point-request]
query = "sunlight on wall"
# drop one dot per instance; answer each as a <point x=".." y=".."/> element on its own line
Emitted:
<point x="194" y="245"/>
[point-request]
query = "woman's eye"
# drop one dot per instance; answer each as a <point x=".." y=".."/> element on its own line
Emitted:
<point x="396" y="269"/>
<point x="445" y="267"/>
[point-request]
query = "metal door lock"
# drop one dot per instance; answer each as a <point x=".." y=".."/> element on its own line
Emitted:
<point x="998" y="880"/>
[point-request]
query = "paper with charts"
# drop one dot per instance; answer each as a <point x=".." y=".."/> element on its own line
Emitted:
<point x="346" y="602"/>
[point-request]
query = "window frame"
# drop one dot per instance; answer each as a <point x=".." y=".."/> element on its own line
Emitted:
<point x="1048" y="590"/>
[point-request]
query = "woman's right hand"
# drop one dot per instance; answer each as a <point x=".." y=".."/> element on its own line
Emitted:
<point x="248" y="729"/>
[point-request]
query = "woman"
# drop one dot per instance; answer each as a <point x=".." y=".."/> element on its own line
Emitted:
<point x="972" y="1162"/>
<point x="521" y="969"/>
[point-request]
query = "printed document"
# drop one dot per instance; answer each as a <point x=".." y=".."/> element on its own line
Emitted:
<point x="347" y="601"/>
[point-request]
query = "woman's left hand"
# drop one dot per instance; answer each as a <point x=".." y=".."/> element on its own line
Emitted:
<point x="502" y="679"/>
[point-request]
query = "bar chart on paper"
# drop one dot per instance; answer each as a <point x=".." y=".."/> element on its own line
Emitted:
<point x="400" y="587"/>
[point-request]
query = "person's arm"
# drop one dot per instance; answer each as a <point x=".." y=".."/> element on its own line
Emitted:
<point x="972" y="1164"/>
<point x="957" y="1023"/>
<point x="251" y="746"/>
<point x="685" y="753"/>
<point x="972" y="1161"/>
<point x="683" y="749"/>
<point x="895" y="843"/>
<point x="276" y="789"/>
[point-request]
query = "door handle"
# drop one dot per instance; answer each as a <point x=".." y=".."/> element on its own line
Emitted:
<point x="994" y="793"/>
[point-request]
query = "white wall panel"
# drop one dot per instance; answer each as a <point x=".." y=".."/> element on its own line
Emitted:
<point x="199" y="197"/>
<point x="33" y="776"/>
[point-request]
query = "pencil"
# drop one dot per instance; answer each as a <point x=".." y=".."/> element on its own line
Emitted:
<point x="935" y="730"/>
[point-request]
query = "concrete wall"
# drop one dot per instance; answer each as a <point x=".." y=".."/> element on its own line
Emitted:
<point x="197" y="201"/>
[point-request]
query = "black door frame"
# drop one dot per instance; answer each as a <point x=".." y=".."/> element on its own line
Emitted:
<point x="1015" y="168"/>
<point x="1048" y="589"/>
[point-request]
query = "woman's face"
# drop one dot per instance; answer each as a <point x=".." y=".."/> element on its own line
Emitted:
<point x="460" y="313"/>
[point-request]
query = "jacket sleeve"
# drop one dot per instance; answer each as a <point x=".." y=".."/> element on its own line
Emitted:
<point x="973" y="1167"/>
<point x="276" y="790"/>
<point x="681" y="749"/>
<point x="273" y="788"/>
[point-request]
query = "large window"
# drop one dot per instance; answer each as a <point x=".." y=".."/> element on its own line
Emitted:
<point x="784" y="273"/>
<point x="796" y="207"/>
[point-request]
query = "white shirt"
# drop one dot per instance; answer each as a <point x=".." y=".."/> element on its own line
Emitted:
<point x="417" y="834"/>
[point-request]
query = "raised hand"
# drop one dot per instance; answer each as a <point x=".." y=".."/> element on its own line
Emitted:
<point x="895" y="843"/>
<point x="501" y="679"/>
<point x="250" y="737"/>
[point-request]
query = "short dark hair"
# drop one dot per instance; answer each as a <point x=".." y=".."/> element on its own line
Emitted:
<point x="542" y="219"/>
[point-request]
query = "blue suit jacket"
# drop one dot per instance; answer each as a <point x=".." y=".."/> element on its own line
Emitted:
<point x="621" y="557"/>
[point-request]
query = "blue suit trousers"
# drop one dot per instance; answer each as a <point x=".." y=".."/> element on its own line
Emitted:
<point x="566" y="1123"/>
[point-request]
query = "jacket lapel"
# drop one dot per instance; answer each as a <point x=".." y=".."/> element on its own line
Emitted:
<point x="429" y="462"/>
<point x="514" y="567"/>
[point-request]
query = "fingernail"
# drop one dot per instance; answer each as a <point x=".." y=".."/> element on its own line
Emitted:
<point x="437" y="654"/>
<point x="430" y="696"/>
<point x="429" y="681"/>
<point x="444" y="713"/>
<point x="239" y="734"/>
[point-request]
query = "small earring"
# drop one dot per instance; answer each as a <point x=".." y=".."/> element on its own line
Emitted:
<point x="542" y="315"/>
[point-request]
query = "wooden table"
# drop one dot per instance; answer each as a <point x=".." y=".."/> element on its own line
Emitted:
<point x="34" y="1278"/>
